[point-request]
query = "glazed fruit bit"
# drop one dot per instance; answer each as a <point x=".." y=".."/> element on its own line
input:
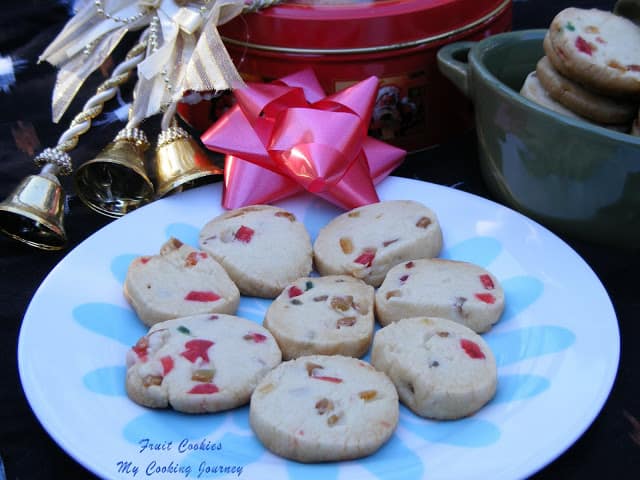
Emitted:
<point x="269" y="387"/>
<point x="196" y="349"/>
<point x="204" y="388"/>
<point x="346" y="245"/>
<point x="333" y="419"/>
<point x="255" y="337"/>
<point x="584" y="46"/>
<point x="152" y="380"/>
<point x="202" y="296"/>
<point x="346" y="322"/>
<point x="203" y="375"/>
<point x="141" y="348"/>
<point x="320" y="298"/>
<point x="244" y="234"/>
<point x="327" y="379"/>
<point x="442" y="334"/>
<point x="183" y="329"/>
<point x="294" y="291"/>
<point x="323" y="406"/>
<point x="409" y="265"/>
<point x="289" y="216"/>
<point x="392" y="294"/>
<point x="308" y="285"/>
<point x="403" y="278"/>
<point x="353" y="214"/>
<point x="312" y="367"/>
<point x="144" y="260"/>
<point x="368" y="395"/>
<point x="311" y="371"/>
<point x="193" y="257"/>
<point x="174" y="243"/>
<point x="487" y="282"/>
<point x="167" y="364"/>
<point x="366" y="257"/>
<point x="341" y="304"/>
<point x="472" y="349"/>
<point x="486" y="298"/>
<point x="423" y="222"/>
<point x="389" y="242"/>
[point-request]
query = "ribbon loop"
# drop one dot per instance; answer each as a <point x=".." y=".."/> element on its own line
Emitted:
<point x="278" y="143"/>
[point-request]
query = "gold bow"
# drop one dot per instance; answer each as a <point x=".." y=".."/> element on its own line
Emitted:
<point x="184" y="53"/>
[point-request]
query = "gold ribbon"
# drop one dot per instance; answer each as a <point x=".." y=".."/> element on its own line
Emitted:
<point x="185" y="52"/>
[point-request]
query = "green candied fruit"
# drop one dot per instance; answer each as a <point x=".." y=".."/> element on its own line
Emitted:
<point x="308" y="286"/>
<point x="185" y="330"/>
<point x="569" y="26"/>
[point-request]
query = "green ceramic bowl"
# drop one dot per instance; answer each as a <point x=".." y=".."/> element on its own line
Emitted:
<point x="576" y="178"/>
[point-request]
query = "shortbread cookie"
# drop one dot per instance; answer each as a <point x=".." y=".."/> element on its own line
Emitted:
<point x="597" y="49"/>
<point x="178" y="282"/>
<point x="262" y="248"/>
<point x="323" y="315"/>
<point x="441" y="369"/>
<point x="595" y="107"/>
<point x="367" y="241"/>
<point x="203" y="363"/>
<point x="324" y="408"/>
<point x="534" y="91"/>
<point x="460" y="291"/>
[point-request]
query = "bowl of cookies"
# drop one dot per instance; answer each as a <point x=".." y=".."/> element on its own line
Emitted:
<point x="557" y="121"/>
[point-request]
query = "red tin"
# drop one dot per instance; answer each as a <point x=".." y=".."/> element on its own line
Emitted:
<point x="345" y="41"/>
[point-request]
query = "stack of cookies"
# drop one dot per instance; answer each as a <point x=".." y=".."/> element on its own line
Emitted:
<point x="591" y="69"/>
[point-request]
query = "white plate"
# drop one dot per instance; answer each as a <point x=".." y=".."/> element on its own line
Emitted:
<point x="557" y="347"/>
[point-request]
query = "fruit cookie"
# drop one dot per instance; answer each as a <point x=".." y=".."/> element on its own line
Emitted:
<point x="203" y="363"/>
<point x="324" y="408"/>
<point x="592" y="106"/>
<point x="367" y="241"/>
<point x="262" y="248"/>
<point x="597" y="49"/>
<point x="534" y="91"/>
<point x="178" y="282"/>
<point x="441" y="369"/>
<point x="323" y="315"/>
<point x="460" y="291"/>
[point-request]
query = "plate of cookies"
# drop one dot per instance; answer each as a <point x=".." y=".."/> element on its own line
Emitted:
<point x="434" y="334"/>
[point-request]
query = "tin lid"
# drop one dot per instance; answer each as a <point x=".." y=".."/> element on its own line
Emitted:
<point x="323" y="25"/>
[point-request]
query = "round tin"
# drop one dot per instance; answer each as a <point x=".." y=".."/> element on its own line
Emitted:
<point x="345" y="41"/>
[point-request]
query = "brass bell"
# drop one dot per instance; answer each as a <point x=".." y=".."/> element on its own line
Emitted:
<point x="181" y="162"/>
<point x="116" y="181"/>
<point x="34" y="212"/>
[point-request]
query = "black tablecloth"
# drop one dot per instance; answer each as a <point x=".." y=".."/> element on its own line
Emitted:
<point x="610" y="448"/>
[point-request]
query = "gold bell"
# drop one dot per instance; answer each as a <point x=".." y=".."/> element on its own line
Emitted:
<point x="116" y="181"/>
<point x="34" y="212"/>
<point x="180" y="162"/>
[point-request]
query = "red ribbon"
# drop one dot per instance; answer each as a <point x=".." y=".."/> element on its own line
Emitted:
<point x="287" y="136"/>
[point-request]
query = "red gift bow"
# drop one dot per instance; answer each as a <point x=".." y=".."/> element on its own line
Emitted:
<point x="287" y="136"/>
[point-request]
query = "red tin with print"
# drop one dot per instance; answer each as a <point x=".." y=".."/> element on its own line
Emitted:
<point x="345" y="41"/>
